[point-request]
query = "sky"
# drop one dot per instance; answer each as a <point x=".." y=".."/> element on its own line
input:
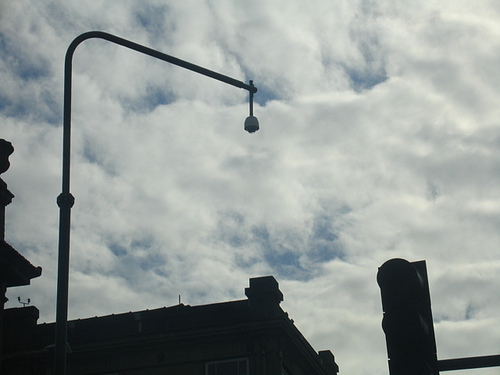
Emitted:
<point x="379" y="139"/>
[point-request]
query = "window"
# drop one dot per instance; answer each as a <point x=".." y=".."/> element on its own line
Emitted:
<point x="229" y="367"/>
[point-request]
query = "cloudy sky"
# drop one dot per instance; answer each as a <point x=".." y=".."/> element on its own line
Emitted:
<point x="380" y="135"/>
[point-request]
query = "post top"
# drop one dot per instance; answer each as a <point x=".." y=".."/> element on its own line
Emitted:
<point x="6" y="149"/>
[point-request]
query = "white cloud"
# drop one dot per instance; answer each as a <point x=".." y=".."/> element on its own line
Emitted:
<point x="379" y="139"/>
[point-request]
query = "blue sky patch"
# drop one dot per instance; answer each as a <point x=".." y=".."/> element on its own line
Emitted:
<point x="264" y="95"/>
<point x="365" y="80"/>
<point x="286" y="263"/>
<point x="152" y="18"/>
<point x="154" y="97"/>
<point x="117" y="249"/>
<point x="23" y="63"/>
<point x="324" y="243"/>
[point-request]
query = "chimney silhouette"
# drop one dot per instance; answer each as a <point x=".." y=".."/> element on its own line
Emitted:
<point x="264" y="295"/>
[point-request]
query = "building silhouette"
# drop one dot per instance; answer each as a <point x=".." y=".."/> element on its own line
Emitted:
<point x="252" y="336"/>
<point x="15" y="270"/>
<point x="243" y="337"/>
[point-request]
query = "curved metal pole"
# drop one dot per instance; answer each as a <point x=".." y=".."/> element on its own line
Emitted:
<point x="65" y="200"/>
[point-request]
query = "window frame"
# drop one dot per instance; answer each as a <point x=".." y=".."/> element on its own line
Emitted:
<point x="238" y="359"/>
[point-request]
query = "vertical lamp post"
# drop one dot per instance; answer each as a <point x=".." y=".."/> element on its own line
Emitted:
<point x="65" y="200"/>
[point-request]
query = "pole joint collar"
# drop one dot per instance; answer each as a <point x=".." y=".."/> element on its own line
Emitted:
<point x="66" y="200"/>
